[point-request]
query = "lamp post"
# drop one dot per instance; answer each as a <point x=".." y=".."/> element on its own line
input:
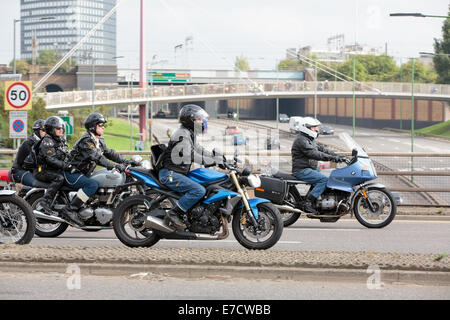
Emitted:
<point x="416" y="15"/>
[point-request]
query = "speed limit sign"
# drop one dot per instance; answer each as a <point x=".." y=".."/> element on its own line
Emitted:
<point x="18" y="95"/>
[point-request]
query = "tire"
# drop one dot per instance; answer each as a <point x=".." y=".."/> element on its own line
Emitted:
<point x="123" y="227"/>
<point x="290" y="218"/>
<point x="381" y="198"/>
<point x="16" y="225"/>
<point x="46" y="229"/>
<point x="244" y="235"/>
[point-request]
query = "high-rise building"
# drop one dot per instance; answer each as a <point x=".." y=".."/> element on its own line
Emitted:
<point x="60" y="24"/>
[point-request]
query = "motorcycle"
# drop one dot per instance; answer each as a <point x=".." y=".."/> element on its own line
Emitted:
<point x="256" y="223"/>
<point x="17" y="222"/>
<point x="347" y="191"/>
<point x="96" y="213"/>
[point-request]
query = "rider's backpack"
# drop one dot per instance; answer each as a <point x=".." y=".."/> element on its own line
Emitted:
<point x="157" y="151"/>
<point x="31" y="161"/>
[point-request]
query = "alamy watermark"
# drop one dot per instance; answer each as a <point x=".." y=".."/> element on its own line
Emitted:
<point x="74" y="280"/>
<point x="374" y="281"/>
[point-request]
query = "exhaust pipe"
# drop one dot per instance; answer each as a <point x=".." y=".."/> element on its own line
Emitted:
<point x="40" y="215"/>
<point x="158" y="224"/>
<point x="284" y="208"/>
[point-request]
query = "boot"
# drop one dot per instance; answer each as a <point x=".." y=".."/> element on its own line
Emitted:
<point x="310" y="204"/>
<point x="47" y="201"/>
<point x="173" y="216"/>
<point x="70" y="212"/>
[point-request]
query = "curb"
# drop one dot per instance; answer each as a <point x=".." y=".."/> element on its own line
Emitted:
<point x="227" y="272"/>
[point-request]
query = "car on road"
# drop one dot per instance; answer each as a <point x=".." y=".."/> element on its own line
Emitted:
<point x="326" y="130"/>
<point x="160" y="114"/>
<point x="272" y="143"/>
<point x="232" y="130"/>
<point x="283" y="117"/>
<point x="239" y="139"/>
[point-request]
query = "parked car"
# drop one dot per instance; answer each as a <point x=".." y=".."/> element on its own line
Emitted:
<point x="232" y="130"/>
<point x="272" y="143"/>
<point x="325" y="129"/>
<point x="284" y="117"/>
<point x="239" y="139"/>
<point x="160" y="114"/>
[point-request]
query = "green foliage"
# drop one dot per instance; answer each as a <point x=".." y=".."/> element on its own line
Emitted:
<point x="441" y="48"/>
<point x="441" y="129"/>
<point x="47" y="58"/>
<point x="241" y="64"/>
<point x="422" y="73"/>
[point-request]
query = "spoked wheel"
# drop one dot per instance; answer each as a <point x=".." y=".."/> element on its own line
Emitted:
<point x="290" y="218"/>
<point x="17" y="221"/>
<point x="383" y="203"/>
<point x="263" y="236"/>
<point x="47" y="228"/>
<point x="128" y="222"/>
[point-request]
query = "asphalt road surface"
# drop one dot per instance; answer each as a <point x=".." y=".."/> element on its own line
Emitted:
<point x="345" y="235"/>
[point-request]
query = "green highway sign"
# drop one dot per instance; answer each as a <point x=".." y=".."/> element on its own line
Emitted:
<point x="171" y="77"/>
<point x="69" y="125"/>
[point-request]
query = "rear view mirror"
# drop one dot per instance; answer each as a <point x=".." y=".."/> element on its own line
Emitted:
<point x="354" y="152"/>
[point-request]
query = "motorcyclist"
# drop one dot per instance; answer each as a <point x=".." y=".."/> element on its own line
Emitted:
<point x="54" y="168"/>
<point x="177" y="159"/>
<point x="306" y="152"/>
<point x="20" y="172"/>
<point x="91" y="150"/>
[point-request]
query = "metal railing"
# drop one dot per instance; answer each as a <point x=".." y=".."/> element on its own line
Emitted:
<point x="404" y="173"/>
<point x="246" y="86"/>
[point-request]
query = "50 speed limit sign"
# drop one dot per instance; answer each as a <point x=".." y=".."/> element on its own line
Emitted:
<point x="18" y="95"/>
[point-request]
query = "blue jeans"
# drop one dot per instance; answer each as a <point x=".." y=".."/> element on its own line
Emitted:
<point x="193" y="191"/>
<point x="314" y="177"/>
<point x="24" y="177"/>
<point x="78" y="181"/>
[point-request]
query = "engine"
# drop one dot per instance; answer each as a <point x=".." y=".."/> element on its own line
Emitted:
<point x="327" y="202"/>
<point x="202" y="219"/>
<point x="102" y="215"/>
<point x="335" y="202"/>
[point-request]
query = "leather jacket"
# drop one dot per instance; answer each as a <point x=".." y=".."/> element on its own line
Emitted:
<point x="53" y="154"/>
<point x="182" y="151"/>
<point x="306" y="153"/>
<point x="89" y="152"/>
<point x="24" y="151"/>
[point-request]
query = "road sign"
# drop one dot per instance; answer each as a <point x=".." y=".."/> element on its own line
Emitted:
<point x="18" y="95"/>
<point x="18" y="122"/>
<point x="139" y="145"/>
<point x="69" y="125"/>
<point x="171" y="77"/>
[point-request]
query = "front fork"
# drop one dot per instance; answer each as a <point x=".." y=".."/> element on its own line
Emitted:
<point x="366" y="197"/>
<point x="245" y="197"/>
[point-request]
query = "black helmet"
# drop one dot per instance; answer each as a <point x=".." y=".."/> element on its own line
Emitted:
<point x="93" y="120"/>
<point x="38" y="125"/>
<point x="54" y="122"/>
<point x="189" y="113"/>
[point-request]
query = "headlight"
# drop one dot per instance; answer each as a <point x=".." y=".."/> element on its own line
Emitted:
<point x="136" y="158"/>
<point x="145" y="164"/>
<point x="254" y="181"/>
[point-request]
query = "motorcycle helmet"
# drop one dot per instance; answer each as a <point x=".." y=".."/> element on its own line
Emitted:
<point x="38" y="125"/>
<point x="93" y="120"/>
<point x="52" y="123"/>
<point x="307" y="124"/>
<point x="189" y="114"/>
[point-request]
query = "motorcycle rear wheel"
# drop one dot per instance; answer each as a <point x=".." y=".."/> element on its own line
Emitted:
<point x="269" y="217"/>
<point x="44" y="228"/>
<point x="18" y="222"/>
<point x="384" y="204"/>
<point x="126" y="223"/>
<point x="290" y="218"/>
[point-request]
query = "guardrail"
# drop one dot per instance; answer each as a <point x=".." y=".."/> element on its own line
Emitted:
<point x="246" y="86"/>
<point x="419" y="187"/>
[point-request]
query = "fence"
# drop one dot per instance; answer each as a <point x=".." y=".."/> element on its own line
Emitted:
<point x="420" y="179"/>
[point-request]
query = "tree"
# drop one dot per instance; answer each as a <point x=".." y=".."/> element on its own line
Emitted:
<point x="22" y="66"/>
<point x="422" y="73"/>
<point x="292" y="65"/>
<point x="241" y="64"/>
<point x="442" y="62"/>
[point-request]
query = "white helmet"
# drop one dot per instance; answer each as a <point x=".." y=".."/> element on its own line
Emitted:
<point x="307" y="123"/>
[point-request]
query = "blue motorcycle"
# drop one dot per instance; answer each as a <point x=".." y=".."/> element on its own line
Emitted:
<point x="139" y="220"/>
<point x="347" y="191"/>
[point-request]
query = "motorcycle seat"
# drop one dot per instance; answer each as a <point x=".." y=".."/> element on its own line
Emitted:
<point x="284" y="176"/>
<point x="44" y="185"/>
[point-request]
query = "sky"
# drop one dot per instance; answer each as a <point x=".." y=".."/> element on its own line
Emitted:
<point x="260" y="30"/>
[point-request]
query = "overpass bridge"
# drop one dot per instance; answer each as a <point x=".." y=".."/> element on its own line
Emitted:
<point x="328" y="100"/>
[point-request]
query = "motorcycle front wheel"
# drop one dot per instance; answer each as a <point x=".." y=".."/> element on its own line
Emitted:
<point x="263" y="236"/>
<point x="17" y="221"/>
<point x="383" y="204"/>
<point x="128" y="221"/>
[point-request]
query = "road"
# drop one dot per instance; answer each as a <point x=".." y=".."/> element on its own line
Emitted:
<point x="305" y="235"/>
<point x="60" y="286"/>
